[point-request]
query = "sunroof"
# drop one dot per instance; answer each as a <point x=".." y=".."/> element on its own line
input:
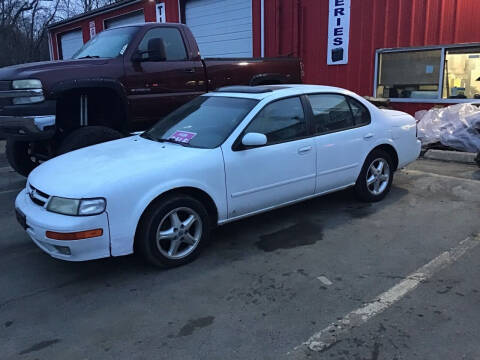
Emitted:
<point x="245" y="89"/>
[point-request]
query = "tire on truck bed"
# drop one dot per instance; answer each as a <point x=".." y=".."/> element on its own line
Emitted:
<point x="87" y="136"/>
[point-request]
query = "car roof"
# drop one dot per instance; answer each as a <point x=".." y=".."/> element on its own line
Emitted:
<point x="274" y="91"/>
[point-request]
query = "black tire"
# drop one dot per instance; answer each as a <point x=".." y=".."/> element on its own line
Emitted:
<point x="368" y="192"/>
<point x="87" y="136"/>
<point x="156" y="216"/>
<point x="18" y="155"/>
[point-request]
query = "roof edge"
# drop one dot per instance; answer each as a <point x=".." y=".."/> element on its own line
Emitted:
<point x="86" y="15"/>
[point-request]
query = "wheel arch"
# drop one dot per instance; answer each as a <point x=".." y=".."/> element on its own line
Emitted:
<point x="108" y="87"/>
<point x="390" y="150"/>
<point x="192" y="191"/>
<point x="268" y="79"/>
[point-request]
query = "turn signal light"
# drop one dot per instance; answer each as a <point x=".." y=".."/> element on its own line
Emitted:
<point x="74" y="235"/>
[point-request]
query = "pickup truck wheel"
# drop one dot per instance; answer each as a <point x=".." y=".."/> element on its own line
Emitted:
<point x="87" y="136"/>
<point x="20" y="156"/>
<point x="173" y="231"/>
<point x="375" y="179"/>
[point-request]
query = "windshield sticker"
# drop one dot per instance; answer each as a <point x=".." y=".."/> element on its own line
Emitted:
<point x="123" y="49"/>
<point x="182" y="136"/>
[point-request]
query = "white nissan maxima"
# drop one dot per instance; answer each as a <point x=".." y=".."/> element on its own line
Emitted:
<point x="223" y="156"/>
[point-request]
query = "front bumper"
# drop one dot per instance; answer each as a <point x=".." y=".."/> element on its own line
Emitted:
<point x="39" y="221"/>
<point x="28" y="122"/>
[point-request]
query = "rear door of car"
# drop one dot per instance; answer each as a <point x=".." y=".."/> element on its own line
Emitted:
<point x="281" y="171"/>
<point x="343" y="130"/>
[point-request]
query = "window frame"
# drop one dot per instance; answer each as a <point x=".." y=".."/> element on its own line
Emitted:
<point x="161" y="26"/>
<point x="443" y="49"/>
<point x="237" y="144"/>
<point x="347" y="97"/>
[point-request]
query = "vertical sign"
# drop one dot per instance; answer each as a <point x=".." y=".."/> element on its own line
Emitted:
<point x="338" y="32"/>
<point x="92" y="29"/>
<point x="161" y="18"/>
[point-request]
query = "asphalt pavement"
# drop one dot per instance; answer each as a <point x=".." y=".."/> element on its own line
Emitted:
<point x="265" y="285"/>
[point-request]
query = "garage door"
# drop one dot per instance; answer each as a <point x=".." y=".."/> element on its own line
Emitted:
<point x="223" y="28"/>
<point x="127" y="19"/>
<point x="70" y="43"/>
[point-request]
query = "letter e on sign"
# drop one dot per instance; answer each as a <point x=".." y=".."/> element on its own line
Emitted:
<point x="338" y="32"/>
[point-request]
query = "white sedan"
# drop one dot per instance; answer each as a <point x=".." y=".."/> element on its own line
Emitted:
<point x="226" y="155"/>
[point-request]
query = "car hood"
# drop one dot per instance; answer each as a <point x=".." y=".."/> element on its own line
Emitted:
<point x="38" y="70"/>
<point x="88" y="172"/>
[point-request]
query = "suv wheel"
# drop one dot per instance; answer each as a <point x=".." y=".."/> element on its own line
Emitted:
<point x="21" y="157"/>
<point x="87" y="136"/>
<point x="375" y="179"/>
<point x="173" y="231"/>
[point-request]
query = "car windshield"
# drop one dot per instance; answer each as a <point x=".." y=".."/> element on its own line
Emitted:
<point x="107" y="44"/>
<point x="204" y="122"/>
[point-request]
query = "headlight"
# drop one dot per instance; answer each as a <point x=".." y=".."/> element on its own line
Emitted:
<point x="75" y="207"/>
<point x="27" y="100"/>
<point x="91" y="207"/>
<point x="26" y="84"/>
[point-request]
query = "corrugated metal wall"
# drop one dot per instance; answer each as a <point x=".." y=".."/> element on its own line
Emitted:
<point x="300" y="27"/>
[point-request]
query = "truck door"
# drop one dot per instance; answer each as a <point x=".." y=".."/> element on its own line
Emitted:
<point x="160" y="77"/>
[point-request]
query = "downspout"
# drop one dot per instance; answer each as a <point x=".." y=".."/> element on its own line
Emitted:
<point x="262" y="28"/>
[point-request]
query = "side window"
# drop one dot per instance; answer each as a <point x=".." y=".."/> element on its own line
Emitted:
<point x="330" y="113"/>
<point x="361" y="115"/>
<point x="172" y="40"/>
<point x="282" y="120"/>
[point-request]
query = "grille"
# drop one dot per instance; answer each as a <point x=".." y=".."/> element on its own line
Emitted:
<point x="5" y="85"/>
<point x="38" y="197"/>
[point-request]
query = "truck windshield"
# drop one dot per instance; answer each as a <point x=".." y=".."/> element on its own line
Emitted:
<point x="204" y="122"/>
<point x="107" y="44"/>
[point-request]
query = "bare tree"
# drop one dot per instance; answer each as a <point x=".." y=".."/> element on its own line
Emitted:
<point x="24" y="26"/>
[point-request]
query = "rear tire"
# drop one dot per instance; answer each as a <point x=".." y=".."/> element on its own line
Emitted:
<point x="19" y="156"/>
<point x="87" y="136"/>
<point x="173" y="231"/>
<point x="375" y="179"/>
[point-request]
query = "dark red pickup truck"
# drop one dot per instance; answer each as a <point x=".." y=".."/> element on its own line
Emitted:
<point x="121" y="81"/>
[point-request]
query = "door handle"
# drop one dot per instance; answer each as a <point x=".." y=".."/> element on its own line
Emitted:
<point x="304" y="149"/>
<point x="190" y="71"/>
<point x="368" y="136"/>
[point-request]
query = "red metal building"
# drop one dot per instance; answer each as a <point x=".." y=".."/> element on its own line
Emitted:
<point x="415" y="52"/>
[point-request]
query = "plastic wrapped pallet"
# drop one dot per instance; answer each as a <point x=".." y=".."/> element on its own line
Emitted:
<point x="456" y="126"/>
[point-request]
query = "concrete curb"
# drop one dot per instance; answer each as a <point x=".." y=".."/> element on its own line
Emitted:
<point x="446" y="155"/>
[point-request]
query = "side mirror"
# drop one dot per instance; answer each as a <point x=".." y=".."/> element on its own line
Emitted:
<point x="156" y="51"/>
<point x="254" y="139"/>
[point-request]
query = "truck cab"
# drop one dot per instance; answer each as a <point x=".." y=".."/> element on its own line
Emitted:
<point x="123" y="80"/>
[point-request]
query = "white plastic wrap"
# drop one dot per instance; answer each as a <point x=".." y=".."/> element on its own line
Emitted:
<point x="456" y="126"/>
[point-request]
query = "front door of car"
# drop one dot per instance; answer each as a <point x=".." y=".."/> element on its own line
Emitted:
<point x="278" y="172"/>
<point x="343" y="135"/>
<point x="160" y="77"/>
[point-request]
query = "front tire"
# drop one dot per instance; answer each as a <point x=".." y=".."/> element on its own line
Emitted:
<point x="173" y="231"/>
<point x="20" y="156"/>
<point x="375" y="179"/>
<point x="87" y="136"/>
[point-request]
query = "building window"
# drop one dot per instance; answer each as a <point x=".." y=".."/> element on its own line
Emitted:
<point x="409" y="74"/>
<point x="462" y="74"/>
<point x="448" y="72"/>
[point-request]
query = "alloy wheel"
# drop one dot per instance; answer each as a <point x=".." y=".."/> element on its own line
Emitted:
<point x="378" y="176"/>
<point x="179" y="233"/>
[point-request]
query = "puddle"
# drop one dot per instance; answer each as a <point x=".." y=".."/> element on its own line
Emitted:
<point x="301" y="234"/>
